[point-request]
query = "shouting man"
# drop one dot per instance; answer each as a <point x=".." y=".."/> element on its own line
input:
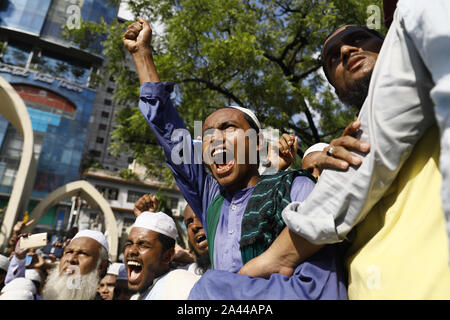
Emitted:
<point x="240" y="210"/>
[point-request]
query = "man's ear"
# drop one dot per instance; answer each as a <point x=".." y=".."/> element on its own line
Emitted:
<point x="168" y="256"/>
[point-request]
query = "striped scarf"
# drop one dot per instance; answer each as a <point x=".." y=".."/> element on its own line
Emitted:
<point x="262" y="221"/>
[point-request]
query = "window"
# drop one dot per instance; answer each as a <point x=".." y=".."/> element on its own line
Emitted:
<point x="63" y="67"/>
<point x="99" y="140"/>
<point x="95" y="153"/>
<point x="105" y="114"/>
<point x="173" y="203"/>
<point x="16" y="54"/>
<point x="134" y="196"/>
<point x="107" y="102"/>
<point x="128" y="222"/>
<point x="102" y="126"/>
<point x="110" y="90"/>
<point x="108" y="192"/>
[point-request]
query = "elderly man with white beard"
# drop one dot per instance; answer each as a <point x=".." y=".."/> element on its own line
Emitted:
<point x="83" y="264"/>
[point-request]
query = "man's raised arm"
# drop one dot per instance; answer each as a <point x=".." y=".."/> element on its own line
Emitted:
<point x="137" y="40"/>
<point x="167" y="125"/>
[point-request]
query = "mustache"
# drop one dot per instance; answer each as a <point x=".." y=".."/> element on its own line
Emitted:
<point x="71" y="287"/>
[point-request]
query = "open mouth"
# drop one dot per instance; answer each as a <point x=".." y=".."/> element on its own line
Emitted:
<point x="355" y="62"/>
<point x="223" y="160"/>
<point x="201" y="241"/>
<point x="134" y="269"/>
<point x="70" y="270"/>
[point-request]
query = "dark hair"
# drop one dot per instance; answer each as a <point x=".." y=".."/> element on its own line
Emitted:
<point x="372" y="31"/>
<point x="167" y="242"/>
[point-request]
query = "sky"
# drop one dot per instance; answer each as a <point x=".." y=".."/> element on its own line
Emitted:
<point x="124" y="13"/>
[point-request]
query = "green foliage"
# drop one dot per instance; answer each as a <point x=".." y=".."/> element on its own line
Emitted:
<point x="163" y="203"/>
<point x="263" y="55"/>
<point x="128" y="174"/>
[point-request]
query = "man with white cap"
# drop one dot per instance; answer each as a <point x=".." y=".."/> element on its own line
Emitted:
<point x="239" y="208"/>
<point x="108" y="283"/>
<point x="148" y="252"/>
<point x="35" y="277"/>
<point x="121" y="290"/>
<point x="83" y="264"/>
<point x="4" y="263"/>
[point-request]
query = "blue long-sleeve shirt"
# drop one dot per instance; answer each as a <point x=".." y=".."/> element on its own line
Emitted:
<point x="198" y="187"/>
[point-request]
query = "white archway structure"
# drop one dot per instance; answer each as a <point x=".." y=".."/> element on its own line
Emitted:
<point x="94" y="198"/>
<point x="14" y="110"/>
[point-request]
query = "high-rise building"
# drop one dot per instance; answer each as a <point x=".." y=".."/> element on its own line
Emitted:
<point x="102" y="123"/>
<point x="53" y="77"/>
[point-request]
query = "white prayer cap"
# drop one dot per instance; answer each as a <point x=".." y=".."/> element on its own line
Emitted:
<point x="158" y="222"/>
<point x="20" y="284"/>
<point x="33" y="275"/>
<point x="93" y="234"/>
<point x="4" y="262"/>
<point x="315" y="147"/>
<point x="249" y="113"/>
<point x="17" y="295"/>
<point x="114" y="269"/>
<point x="122" y="272"/>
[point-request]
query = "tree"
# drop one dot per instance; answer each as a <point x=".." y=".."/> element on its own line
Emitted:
<point x="263" y="55"/>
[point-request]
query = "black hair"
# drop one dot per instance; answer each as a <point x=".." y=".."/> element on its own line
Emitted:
<point x="372" y="31"/>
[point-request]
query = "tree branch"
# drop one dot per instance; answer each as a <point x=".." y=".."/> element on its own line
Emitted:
<point x="215" y="87"/>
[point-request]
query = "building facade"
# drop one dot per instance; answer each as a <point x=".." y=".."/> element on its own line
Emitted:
<point x="54" y="78"/>
<point x="122" y="194"/>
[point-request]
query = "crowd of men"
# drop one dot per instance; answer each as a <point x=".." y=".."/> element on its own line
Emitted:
<point x="365" y="217"/>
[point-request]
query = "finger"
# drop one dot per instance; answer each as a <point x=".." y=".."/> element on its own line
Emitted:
<point x="333" y="163"/>
<point x="136" y="27"/>
<point x="283" y="145"/>
<point x="133" y="31"/>
<point x="130" y="35"/>
<point x="352" y="128"/>
<point x="295" y="146"/>
<point x="144" y="23"/>
<point x="341" y="153"/>
<point x="29" y="223"/>
<point x="350" y="142"/>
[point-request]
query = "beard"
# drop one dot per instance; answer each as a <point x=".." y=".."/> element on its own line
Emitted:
<point x="357" y="94"/>
<point x="71" y="287"/>
<point x="203" y="261"/>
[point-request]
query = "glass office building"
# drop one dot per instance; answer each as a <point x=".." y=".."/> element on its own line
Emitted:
<point x="53" y="78"/>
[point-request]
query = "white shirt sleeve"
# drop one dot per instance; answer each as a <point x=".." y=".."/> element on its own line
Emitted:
<point x="427" y="23"/>
<point x="397" y="112"/>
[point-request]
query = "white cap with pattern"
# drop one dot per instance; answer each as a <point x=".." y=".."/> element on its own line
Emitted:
<point x="158" y="222"/>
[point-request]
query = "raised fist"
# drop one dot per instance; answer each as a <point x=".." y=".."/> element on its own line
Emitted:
<point x="138" y="37"/>
<point x="147" y="202"/>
